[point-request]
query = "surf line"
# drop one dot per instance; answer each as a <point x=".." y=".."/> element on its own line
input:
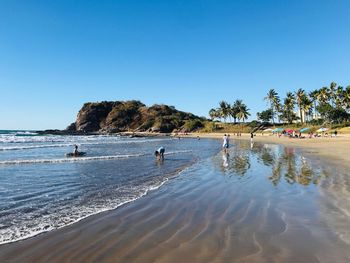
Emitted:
<point x="80" y="159"/>
<point x="70" y="159"/>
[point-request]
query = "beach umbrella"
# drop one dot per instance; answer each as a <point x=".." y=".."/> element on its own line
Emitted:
<point x="278" y="130"/>
<point x="289" y="131"/>
<point x="322" y="129"/>
<point x="268" y="130"/>
<point x="305" y="129"/>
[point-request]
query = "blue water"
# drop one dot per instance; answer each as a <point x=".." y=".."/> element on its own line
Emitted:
<point x="41" y="189"/>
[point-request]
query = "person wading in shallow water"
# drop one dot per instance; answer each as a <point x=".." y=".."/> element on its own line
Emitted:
<point x="75" y="153"/>
<point x="160" y="153"/>
<point x="225" y="143"/>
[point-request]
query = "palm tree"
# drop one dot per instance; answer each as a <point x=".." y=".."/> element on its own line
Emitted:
<point x="339" y="97"/>
<point x="332" y="92"/>
<point x="346" y="97"/>
<point x="300" y="94"/>
<point x="243" y="113"/>
<point x="213" y="113"/>
<point x="288" y="107"/>
<point x="290" y="100"/>
<point x="323" y="95"/>
<point x="278" y="107"/>
<point x="314" y="95"/>
<point x="229" y="111"/>
<point x="236" y="108"/>
<point x="306" y="106"/>
<point x="224" y="108"/>
<point x="272" y="98"/>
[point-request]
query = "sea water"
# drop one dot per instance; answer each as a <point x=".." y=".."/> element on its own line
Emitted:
<point x="42" y="190"/>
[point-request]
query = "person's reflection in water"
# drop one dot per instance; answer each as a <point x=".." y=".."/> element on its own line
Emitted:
<point x="225" y="156"/>
<point x="160" y="162"/>
<point x="251" y="145"/>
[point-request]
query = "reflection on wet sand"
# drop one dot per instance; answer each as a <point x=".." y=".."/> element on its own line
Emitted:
<point x="284" y="162"/>
<point x="237" y="162"/>
<point x="295" y="169"/>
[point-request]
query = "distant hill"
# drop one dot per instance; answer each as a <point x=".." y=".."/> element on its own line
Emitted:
<point x="121" y="116"/>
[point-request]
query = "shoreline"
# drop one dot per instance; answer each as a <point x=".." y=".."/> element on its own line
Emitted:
<point x="331" y="149"/>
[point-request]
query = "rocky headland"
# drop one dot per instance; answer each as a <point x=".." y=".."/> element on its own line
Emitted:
<point x="111" y="117"/>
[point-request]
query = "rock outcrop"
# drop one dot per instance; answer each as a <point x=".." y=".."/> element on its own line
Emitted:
<point x="121" y="116"/>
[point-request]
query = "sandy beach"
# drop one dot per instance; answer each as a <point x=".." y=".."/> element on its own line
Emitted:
<point x="213" y="212"/>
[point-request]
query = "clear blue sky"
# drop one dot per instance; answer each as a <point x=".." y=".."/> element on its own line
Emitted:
<point x="56" y="55"/>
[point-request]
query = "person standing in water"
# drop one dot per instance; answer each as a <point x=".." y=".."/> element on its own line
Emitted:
<point x="160" y="153"/>
<point x="225" y="143"/>
<point x="75" y="153"/>
<point x="251" y="140"/>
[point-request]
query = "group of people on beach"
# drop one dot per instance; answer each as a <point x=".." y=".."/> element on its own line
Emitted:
<point x="310" y="135"/>
<point x="159" y="153"/>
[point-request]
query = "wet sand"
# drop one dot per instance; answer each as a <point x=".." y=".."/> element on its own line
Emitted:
<point x="336" y="150"/>
<point x="260" y="204"/>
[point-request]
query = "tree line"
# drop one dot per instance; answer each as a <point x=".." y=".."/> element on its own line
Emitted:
<point x="325" y="105"/>
<point x="238" y="111"/>
<point x="330" y="104"/>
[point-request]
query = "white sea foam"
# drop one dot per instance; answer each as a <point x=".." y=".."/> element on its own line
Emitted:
<point x="80" y="159"/>
<point x="25" y="138"/>
<point x="70" y="159"/>
<point x="13" y="235"/>
<point x="25" y="133"/>
<point x="68" y="141"/>
<point x="46" y="224"/>
<point x="14" y="148"/>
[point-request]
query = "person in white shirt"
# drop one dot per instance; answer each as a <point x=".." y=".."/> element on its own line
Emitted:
<point x="225" y="143"/>
<point x="160" y="153"/>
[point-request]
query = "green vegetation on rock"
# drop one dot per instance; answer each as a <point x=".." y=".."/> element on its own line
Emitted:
<point x="121" y="116"/>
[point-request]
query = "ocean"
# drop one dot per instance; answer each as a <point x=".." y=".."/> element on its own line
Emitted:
<point x="42" y="190"/>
